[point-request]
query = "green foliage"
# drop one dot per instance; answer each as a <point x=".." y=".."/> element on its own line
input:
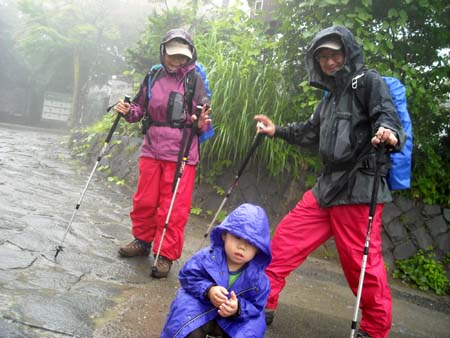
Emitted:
<point x="424" y="272"/>
<point x="245" y="81"/>
<point x="433" y="184"/>
<point x="81" y="147"/>
<point x="48" y="40"/>
<point x="104" y="125"/>
<point x="219" y="190"/>
<point x="446" y="259"/>
<point x="102" y="168"/>
<point x="196" y="211"/>
<point x="220" y="217"/>
<point x="116" y="180"/>
<point x="146" y="52"/>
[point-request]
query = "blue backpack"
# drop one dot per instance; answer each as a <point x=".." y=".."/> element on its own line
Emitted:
<point x="399" y="175"/>
<point x="189" y="84"/>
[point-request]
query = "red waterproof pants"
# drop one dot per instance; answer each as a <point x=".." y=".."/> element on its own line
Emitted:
<point x="307" y="226"/>
<point x="151" y="204"/>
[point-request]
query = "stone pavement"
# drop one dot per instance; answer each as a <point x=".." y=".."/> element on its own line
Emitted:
<point x="90" y="292"/>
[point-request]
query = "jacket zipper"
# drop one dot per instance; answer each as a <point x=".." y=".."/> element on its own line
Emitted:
<point x="249" y="289"/>
<point x="331" y="133"/>
<point x="193" y="319"/>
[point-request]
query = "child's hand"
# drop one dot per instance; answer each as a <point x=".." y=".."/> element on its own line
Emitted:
<point x="230" y="307"/>
<point x="218" y="295"/>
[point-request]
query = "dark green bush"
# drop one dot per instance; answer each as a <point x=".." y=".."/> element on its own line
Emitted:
<point x="424" y="272"/>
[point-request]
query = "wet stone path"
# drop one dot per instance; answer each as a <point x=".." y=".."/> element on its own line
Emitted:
<point x="40" y="185"/>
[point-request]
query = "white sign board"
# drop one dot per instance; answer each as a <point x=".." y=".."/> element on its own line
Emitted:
<point x="57" y="106"/>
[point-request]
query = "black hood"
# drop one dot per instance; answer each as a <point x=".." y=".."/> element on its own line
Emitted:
<point x="353" y="58"/>
<point x="178" y="33"/>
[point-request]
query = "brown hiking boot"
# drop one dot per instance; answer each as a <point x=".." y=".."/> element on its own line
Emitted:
<point x="270" y="314"/>
<point x="135" y="248"/>
<point x="162" y="267"/>
<point x="362" y="334"/>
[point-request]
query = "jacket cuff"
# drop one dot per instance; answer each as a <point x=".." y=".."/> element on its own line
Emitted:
<point x="238" y="312"/>
<point x="279" y="131"/>
<point x="207" y="291"/>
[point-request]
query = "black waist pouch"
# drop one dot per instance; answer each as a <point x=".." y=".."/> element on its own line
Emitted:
<point x="175" y="110"/>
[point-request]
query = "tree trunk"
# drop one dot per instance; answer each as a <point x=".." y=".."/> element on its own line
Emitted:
<point x="195" y="6"/>
<point x="74" y="120"/>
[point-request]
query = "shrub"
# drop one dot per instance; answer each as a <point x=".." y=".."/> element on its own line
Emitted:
<point x="423" y="271"/>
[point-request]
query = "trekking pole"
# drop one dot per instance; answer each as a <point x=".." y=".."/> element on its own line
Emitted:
<point x="59" y="247"/>
<point x="373" y="205"/>
<point x="256" y="143"/>
<point x="179" y="174"/>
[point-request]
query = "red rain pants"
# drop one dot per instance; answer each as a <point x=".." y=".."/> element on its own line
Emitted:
<point x="307" y="226"/>
<point x="151" y="204"/>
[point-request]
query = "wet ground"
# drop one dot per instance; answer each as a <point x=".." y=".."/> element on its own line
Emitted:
<point x="90" y="292"/>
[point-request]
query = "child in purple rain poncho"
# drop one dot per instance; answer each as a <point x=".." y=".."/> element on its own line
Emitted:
<point x="224" y="288"/>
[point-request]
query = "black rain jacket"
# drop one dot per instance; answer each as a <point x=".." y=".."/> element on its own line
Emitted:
<point x="342" y="127"/>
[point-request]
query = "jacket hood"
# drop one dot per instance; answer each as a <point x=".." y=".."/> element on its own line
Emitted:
<point x="353" y="57"/>
<point x="178" y="33"/>
<point x="249" y="222"/>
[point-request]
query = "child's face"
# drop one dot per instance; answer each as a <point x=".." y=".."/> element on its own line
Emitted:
<point x="238" y="251"/>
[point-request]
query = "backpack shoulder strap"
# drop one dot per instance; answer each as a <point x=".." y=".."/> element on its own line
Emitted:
<point x="190" y="82"/>
<point x="153" y="75"/>
<point x="150" y="79"/>
<point x="360" y="85"/>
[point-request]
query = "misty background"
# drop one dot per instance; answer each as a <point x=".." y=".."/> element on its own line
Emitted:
<point x="66" y="61"/>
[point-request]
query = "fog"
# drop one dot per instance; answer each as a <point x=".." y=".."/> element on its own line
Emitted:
<point x="61" y="61"/>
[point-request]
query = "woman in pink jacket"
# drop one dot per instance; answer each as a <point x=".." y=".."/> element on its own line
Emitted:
<point x="167" y="103"/>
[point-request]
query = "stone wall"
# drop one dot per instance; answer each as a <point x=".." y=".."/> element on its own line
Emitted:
<point x="408" y="225"/>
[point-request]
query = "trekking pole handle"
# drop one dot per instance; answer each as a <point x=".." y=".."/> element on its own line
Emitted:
<point x="381" y="150"/>
<point x="198" y="112"/>
<point x="198" y="109"/>
<point x="127" y="99"/>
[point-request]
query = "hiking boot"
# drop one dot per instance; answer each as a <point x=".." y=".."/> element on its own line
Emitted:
<point x="362" y="334"/>
<point x="162" y="267"/>
<point x="269" y="316"/>
<point x="135" y="248"/>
